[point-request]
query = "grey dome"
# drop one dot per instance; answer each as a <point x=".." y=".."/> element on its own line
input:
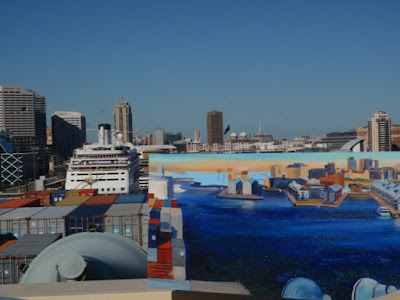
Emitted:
<point x="88" y="256"/>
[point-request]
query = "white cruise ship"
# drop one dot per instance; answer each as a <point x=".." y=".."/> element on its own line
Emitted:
<point x="110" y="167"/>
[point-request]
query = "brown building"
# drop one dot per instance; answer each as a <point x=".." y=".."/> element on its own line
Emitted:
<point x="123" y="120"/>
<point x="396" y="135"/>
<point x="361" y="164"/>
<point x="335" y="178"/>
<point x="362" y="133"/>
<point x="49" y="136"/>
<point x="276" y="171"/>
<point x="297" y="170"/>
<point x="215" y="127"/>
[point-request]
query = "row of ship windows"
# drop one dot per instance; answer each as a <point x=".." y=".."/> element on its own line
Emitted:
<point x="109" y="190"/>
<point x="108" y="179"/>
<point x="97" y="174"/>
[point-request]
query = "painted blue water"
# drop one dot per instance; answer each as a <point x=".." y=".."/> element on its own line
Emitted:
<point x="265" y="243"/>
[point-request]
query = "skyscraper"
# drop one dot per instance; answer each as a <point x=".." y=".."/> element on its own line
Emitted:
<point x="23" y="112"/>
<point x="214" y="127"/>
<point x="197" y="138"/>
<point x="123" y="120"/>
<point x="379" y="132"/>
<point x="159" y="134"/>
<point x="69" y="132"/>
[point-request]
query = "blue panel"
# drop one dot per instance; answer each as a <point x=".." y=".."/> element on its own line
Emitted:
<point x="7" y="146"/>
<point x="133" y="198"/>
<point x="155" y="213"/>
<point x="152" y="254"/>
<point x="176" y="285"/>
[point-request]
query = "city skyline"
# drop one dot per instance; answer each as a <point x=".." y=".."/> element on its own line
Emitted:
<point x="274" y="63"/>
<point x="123" y="119"/>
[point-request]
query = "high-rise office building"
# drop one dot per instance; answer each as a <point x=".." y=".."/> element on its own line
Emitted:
<point x="214" y="127"/>
<point x="123" y="120"/>
<point x="69" y="132"/>
<point x="23" y="113"/>
<point x="379" y="132"/>
<point x="159" y="134"/>
<point x="197" y="138"/>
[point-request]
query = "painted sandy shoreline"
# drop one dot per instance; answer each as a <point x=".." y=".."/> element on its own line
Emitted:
<point x="227" y="166"/>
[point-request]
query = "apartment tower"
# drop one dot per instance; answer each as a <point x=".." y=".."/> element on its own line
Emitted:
<point x="123" y="120"/>
<point x="69" y="132"/>
<point x="214" y="128"/>
<point x="379" y="132"/>
<point x="197" y="138"/>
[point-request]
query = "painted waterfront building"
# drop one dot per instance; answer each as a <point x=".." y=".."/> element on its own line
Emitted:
<point x="333" y="193"/>
<point x="250" y="187"/>
<point x="283" y="183"/>
<point x="316" y="173"/>
<point x="352" y="164"/>
<point x="298" y="191"/>
<point x="316" y="189"/>
<point x="375" y="173"/>
<point x="276" y="171"/>
<point x="387" y="191"/>
<point x="235" y="186"/>
<point x="296" y="170"/>
<point x="388" y="173"/>
<point x="330" y="168"/>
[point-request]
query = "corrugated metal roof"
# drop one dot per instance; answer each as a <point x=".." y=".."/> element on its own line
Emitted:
<point x="390" y="188"/>
<point x="73" y="200"/>
<point x="140" y="196"/>
<point x="5" y="210"/>
<point x="133" y="198"/>
<point x="145" y="209"/>
<point x="20" y="202"/>
<point x="124" y="209"/>
<point x="102" y="200"/>
<point x="90" y="210"/>
<point x="21" y="213"/>
<point x="54" y="212"/>
<point x="29" y="245"/>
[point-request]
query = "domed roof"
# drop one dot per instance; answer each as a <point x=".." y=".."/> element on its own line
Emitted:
<point x="92" y="255"/>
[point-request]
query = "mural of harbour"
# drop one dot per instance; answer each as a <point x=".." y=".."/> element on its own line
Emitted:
<point x="269" y="219"/>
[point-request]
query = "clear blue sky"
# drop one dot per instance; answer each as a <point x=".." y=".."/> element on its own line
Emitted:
<point x="297" y="66"/>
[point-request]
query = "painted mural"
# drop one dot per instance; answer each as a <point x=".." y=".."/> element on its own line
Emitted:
<point x="300" y="226"/>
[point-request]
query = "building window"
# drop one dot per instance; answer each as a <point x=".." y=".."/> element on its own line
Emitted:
<point x="122" y="189"/>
